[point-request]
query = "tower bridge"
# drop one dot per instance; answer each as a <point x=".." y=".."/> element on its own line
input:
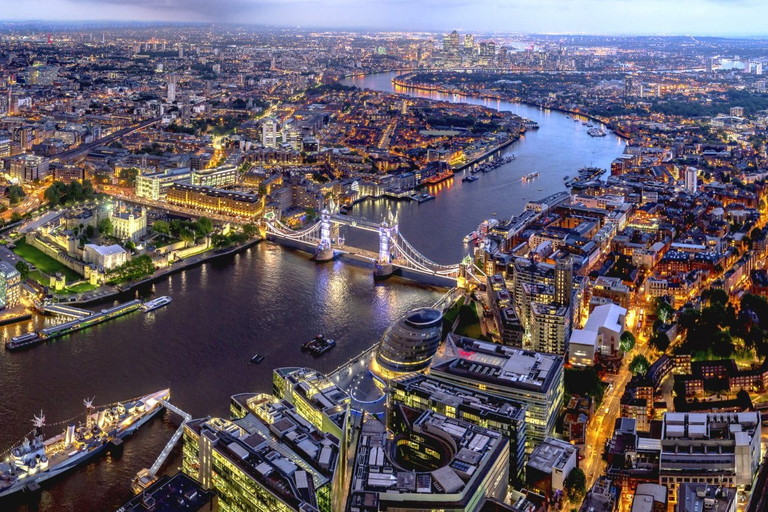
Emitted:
<point x="394" y="251"/>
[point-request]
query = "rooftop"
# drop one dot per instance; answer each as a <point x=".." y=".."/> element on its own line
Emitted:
<point x="550" y="454"/>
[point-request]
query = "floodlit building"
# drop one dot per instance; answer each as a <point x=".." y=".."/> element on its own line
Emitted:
<point x="218" y="177"/>
<point x="155" y="185"/>
<point x="532" y="378"/>
<point x="409" y="344"/>
<point x="128" y="223"/>
<point x="105" y="256"/>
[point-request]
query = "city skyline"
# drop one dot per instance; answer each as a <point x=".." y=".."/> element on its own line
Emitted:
<point x="730" y="18"/>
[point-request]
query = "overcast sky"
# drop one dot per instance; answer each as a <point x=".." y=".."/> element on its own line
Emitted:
<point x="697" y="17"/>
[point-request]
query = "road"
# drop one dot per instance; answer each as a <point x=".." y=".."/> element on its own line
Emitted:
<point x="602" y="424"/>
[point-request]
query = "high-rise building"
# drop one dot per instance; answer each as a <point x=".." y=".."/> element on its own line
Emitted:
<point x="691" y="180"/>
<point x="531" y="378"/>
<point x="564" y="281"/>
<point x="269" y="129"/>
<point x="5" y="144"/>
<point x="469" y="44"/>
<point x="451" y="49"/>
<point x="171" y="92"/>
<point x="550" y="328"/>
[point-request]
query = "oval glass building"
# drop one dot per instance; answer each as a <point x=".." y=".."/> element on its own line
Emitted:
<point x="409" y="344"/>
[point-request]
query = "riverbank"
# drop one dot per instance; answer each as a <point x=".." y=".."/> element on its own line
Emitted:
<point x="174" y="268"/>
<point x="399" y="82"/>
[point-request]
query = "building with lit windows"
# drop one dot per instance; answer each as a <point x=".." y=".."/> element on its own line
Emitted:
<point x="266" y="458"/>
<point x="426" y="461"/>
<point x="409" y="344"/>
<point x="550" y="328"/>
<point x="155" y="185"/>
<point x="315" y="397"/>
<point x="269" y="132"/>
<point x="27" y="168"/>
<point x="549" y="466"/>
<point x="218" y="177"/>
<point x="10" y="286"/>
<point x="532" y="378"/>
<point x="216" y="201"/>
<point x="503" y="415"/>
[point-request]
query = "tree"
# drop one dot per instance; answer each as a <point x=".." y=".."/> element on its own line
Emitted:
<point x="250" y="230"/>
<point x="15" y="217"/>
<point x="161" y="226"/>
<point x="663" y="309"/>
<point x="689" y="318"/>
<point x="718" y="296"/>
<point x="23" y="269"/>
<point x="639" y="365"/>
<point x="105" y="226"/>
<point x="89" y="231"/>
<point x="660" y="341"/>
<point x="626" y="341"/>
<point x="187" y="235"/>
<point x="130" y="245"/>
<point x="576" y="485"/>
<point x="723" y="345"/>
<point x="204" y="226"/>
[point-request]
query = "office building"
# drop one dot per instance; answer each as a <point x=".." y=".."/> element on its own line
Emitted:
<point x="531" y="378"/>
<point x="27" y="168"/>
<point x="268" y="458"/>
<point x="128" y="223"/>
<point x="549" y="465"/>
<point x="650" y="497"/>
<point x="315" y="397"/>
<point x="427" y="461"/>
<point x="10" y="286"/>
<point x="503" y="415"/>
<point x="269" y="132"/>
<point x="409" y="344"/>
<point x="155" y="185"/>
<point x="5" y="144"/>
<point x="507" y="321"/>
<point x="218" y="177"/>
<point x="215" y="201"/>
<point x="714" y="448"/>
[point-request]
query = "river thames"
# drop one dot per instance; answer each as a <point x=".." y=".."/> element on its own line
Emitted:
<point x="267" y="300"/>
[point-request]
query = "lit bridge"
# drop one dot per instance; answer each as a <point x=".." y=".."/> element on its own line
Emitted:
<point x="394" y="250"/>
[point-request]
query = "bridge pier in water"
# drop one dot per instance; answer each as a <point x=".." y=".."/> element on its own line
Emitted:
<point x="387" y="233"/>
<point x="324" y="250"/>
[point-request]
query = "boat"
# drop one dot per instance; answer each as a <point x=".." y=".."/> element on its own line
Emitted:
<point x="565" y="177"/>
<point x="37" y="458"/>
<point x="471" y="237"/>
<point x="470" y="178"/>
<point x="531" y="176"/>
<point x="257" y="359"/>
<point x="156" y="303"/>
<point x="319" y="345"/>
<point x="596" y="132"/>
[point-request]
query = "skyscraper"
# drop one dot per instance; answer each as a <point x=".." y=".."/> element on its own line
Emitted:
<point x="269" y="132"/>
<point x="691" y="180"/>
<point x="469" y="44"/>
<point x="171" y="93"/>
<point x="451" y="48"/>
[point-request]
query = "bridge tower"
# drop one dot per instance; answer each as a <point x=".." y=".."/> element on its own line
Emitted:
<point x="324" y="250"/>
<point x="387" y="235"/>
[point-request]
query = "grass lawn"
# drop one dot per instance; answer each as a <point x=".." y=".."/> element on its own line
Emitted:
<point x="43" y="262"/>
<point x="81" y="288"/>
